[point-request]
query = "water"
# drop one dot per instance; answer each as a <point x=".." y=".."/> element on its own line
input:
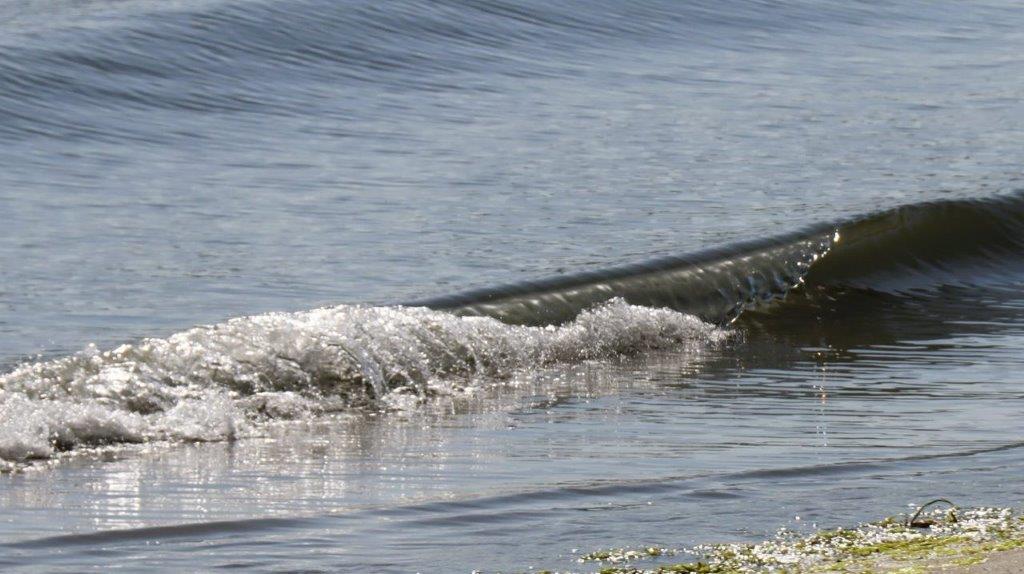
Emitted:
<point x="284" y="173"/>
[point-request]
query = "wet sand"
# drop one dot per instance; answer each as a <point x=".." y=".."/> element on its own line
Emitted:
<point x="1006" y="562"/>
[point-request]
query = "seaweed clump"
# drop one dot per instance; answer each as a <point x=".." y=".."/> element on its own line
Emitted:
<point x="941" y="537"/>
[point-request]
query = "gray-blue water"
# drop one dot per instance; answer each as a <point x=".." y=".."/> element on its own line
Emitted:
<point x="283" y="173"/>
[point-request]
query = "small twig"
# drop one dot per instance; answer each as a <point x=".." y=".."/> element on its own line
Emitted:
<point x="914" y="523"/>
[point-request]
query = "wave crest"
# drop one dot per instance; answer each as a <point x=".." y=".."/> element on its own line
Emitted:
<point x="213" y="382"/>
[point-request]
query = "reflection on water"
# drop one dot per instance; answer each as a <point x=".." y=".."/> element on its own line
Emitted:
<point x="836" y="409"/>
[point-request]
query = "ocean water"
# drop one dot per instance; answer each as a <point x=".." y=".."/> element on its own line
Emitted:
<point x="447" y="286"/>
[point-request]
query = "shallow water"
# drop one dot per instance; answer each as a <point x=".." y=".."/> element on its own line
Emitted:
<point x="168" y="165"/>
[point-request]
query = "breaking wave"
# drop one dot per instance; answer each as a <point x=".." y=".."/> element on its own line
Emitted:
<point x="217" y="382"/>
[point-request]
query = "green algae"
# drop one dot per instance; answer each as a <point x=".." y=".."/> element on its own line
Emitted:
<point x="906" y="555"/>
<point x="909" y="549"/>
<point x="953" y="537"/>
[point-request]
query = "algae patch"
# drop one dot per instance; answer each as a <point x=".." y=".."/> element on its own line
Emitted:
<point x="939" y="538"/>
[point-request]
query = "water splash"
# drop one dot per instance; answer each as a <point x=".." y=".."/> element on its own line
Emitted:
<point x="217" y="382"/>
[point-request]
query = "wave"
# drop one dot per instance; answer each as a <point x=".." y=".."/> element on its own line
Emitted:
<point x="222" y="381"/>
<point x="925" y="246"/>
<point x="217" y="382"/>
<point x="716" y="285"/>
<point x="913" y="248"/>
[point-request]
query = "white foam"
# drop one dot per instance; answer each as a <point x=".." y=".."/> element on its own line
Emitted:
<point x="216" y="382"/>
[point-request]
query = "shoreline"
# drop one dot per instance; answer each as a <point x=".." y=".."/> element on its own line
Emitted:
<point x="1002" y="562"/>
<point x="952" y="540"/>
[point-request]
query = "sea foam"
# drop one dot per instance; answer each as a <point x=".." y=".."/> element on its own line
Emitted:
<point x="222" y="381"/>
